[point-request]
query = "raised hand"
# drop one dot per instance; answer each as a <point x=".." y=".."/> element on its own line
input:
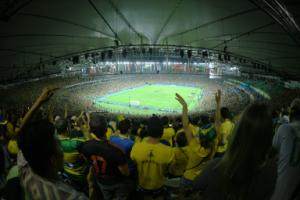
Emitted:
<point x="218" y="96"/>
<point x="66" y="111"/>
<point x="46" y="94"/>
<point x="85" y="126"/>
<point x="185" y="119"/>
<point x="181" y="100"/>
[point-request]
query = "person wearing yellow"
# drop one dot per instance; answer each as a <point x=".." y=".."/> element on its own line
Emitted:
<point x="198" y="151"/>
<point x="225" y="130"/>
<point x="194" y="129"/>
<point x="152" y="159"/>
<point x="109" y="133"/>
<point x="141" y="134"/>
<point x="181" y="155"/>
<point x="168" y="133"/>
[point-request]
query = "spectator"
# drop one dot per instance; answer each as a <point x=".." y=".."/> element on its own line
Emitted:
<point x="152" y="159"/>
<point x="168" y="133"/>
<point x="225" y="131"/>
<point x="198" y="152"/>
<point x="181" y="155"/>
<point x="41" y="158"/>
<point x="109" y="164"/>
<point x="286" y="141"/>
<point x="239" y="174"/>
<point x="124" y="142"/>
<point x="207" y="130"/>
<point x="284" y="116"/>
<point x="74" y="163"/>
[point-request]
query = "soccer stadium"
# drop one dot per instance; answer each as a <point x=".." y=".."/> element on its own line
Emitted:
<point x="154" y="100"/>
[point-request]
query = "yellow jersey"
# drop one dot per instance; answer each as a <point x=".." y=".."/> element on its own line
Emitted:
<point x="181" y="160"/>
<point x="109" y="133"/>
<point x="193" y="128"/>
<point x="226" y="129"/>
<point x="152" y="162"/>
<point x="195" y="164"/>
<point x="168" y="135"/>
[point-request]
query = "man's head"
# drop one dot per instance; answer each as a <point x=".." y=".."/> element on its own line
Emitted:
<point x="204" y="119"/>
<point x="98" y="125"/>
<point x="124" y="126"/>
<point x="155" y="127"/>
<point x="40" y="148"/>
<point x="225" y="113"/>
<point x="61" y="125"/>
<point x="165" y="121"/>
<point x="181" y="139"/>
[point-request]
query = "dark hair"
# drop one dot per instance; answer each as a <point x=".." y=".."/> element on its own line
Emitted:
<point x="165" y="120"/>
<point x="295" y="113"/>
<point x="204" y="119"/>
<point x="38" y="145"/>
<point x="225" y="113"/>
<point x="155" y="127"/>
<point x="124" y="126"/>
<point x="285" y="112"/>
<point x="181" y="139"/>
<point x="143" y="133"/>
<point x="194" y="120"/>
<point x="61" y="125"/>
<point x="241" y="160"/>
<point x="98" y="125"/>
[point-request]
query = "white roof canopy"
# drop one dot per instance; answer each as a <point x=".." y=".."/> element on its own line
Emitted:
<point x="35" y="31"/>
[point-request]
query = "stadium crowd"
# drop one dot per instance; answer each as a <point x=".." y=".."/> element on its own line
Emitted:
<point x="56" y="148"/>
<point x="254" y="155"/>
<point x="74" y="92"/>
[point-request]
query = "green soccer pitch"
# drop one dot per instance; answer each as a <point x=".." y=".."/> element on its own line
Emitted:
<point x="149" y="99"/>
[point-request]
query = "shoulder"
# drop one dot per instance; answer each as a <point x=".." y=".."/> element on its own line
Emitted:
<point x="114" y="138"/>
<point x="227" y="123"/>
<point x="165" y="149"/>
<point x="285" y="131"/>
<point x="284" y="128"/>
<point x="137" y="144"/>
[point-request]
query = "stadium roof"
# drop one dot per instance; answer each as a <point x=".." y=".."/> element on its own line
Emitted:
<point x="34" y="31"/>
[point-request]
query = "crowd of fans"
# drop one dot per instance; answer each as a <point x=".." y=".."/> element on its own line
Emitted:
<point x="46" y="154"/>
<point x="80" y="93"/>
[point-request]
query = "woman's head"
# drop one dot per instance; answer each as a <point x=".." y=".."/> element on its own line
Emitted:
<point x="249" y="145"/>
<point x="41" y="148"/>
<point x="252" y="137"/>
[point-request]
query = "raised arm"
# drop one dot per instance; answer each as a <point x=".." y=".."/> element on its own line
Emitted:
<point x="45" y="96"/>
<point x="85" y="126"/>
<point x="218" y="114"/>
<point x="66" y="111"/>
<point x="50" y="114"/>
<point x="185" y="119"/>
